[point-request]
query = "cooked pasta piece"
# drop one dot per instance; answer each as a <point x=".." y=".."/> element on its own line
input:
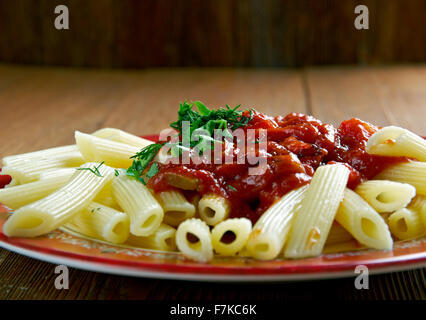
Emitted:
<point x="213" y="208"/>
<point x="419" y="204"/>
<point x="345" y="246"/>
<point x="386" y="196"/>
<point x="101" y="222"/>
<point x="230" y="236"/>
<point x="144" y="211"/>
<point x="176" y="207"/>
<point x="396" y="141"/>
<point x="59" y="152"/>
<point x="49" y="213"/>
<point x="163" y="239"/>
<point x="363" y="222"/>
<point x="337" y="234"/>
<point x="18" y="196"/>
<point x="412" y="172"/>
<point x="270" y="232"/>
<point x="122" y="136"/>
<point x="318" y="208"/>
<point x="115" y="154"/>
<point x="29" y="170"/>
<point x="406" y="224"/>
<point x="194" y="240"/>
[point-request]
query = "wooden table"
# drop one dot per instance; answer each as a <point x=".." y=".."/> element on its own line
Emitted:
<point x="41" y="107"/>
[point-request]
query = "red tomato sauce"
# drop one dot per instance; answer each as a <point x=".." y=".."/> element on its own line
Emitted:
<point x="297" y="145"/>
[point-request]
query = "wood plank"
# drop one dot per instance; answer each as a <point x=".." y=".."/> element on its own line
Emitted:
<point x="382" y="96"/>
<point x="152" y="104"/>
<point x="402" y="94"/>
<point x="338" y="94"/>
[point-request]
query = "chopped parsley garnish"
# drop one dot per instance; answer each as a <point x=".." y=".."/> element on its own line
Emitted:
<point x="153" y="170"/>
<point x="94" y="170"/>
<point x="205" y="121"/>
<point x="142" y="159"/>
<point x="116" y="172"/>
<point x="232" y="188"/>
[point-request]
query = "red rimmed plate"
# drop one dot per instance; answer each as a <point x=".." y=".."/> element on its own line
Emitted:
<point x="60" y="247"/>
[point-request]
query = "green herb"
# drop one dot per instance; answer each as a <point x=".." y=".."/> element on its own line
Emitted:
<point x="222" y="118"/>
<point x="153" y="170"/>
<point x="232" y="188"/>
<point x="95" y="170"/>
<point x="141" y="160"/>
<point x="116" y="172"/>
<point x="93" y="210"/>
<point x="206" y="119"/>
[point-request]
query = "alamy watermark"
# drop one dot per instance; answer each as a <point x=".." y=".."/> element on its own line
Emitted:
<point x="62" y="280"/>
<point x="361" y="281"/>
<point x="224" y="147"/>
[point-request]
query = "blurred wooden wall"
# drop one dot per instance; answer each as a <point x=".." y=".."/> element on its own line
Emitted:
<point x="146" y="33"/>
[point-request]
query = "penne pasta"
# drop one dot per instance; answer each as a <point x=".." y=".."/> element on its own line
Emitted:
<point x="363" y="222"/>
<point x="406" y="224"/>
<point x="101" y="222"/>
<point x="18" y="196"/>
<point x="29" y="170"/>
<point x="213" y="208"/>
<point x="122" y="137"/>
<point x="163" y="239"/>
<point x="49" y="213"/>
<point x="176" y="207"/>
<point x="193" y="239"/>
<point x="412" y="172"/>
<point x="386" y="196"/>
<point x="419" y="204"/>
<point x="230" y="236"/>
<point x="271" y="230"/>
<point x="396" y="141"/>
<point x="144" y="211"/>
<point x="318" y="208"/>
<point x="337" y="234"/>
<point x="60" y="152"/>
<point x="113" y="153"/>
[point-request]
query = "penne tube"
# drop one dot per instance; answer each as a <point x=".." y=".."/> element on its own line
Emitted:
<point x="122" y="137"/>
<point x="412" y="172"/>
<point x="339" y="247"/>
<point x="396" y="141"/>
<point x="59" y="152"/>
<point x="318" y="208"/>
<point x="386" y="196"/>
<point x="271" y="230"/>
<point x="176" y="207"/>
<point x="163" y="239"/>
<point x="419" y="204"/>
<point x="144" y="210"/>
<point x="193" y="239"/>
<point x="29" y="170"/>
<point x="18" y="196"/>
<point x="49" y="213"/>
<point x="213" y="208"/>
<point x="101" y="222"/>
<point x="113" y="153"/>
<point x="230" y="236"/>
<point x="363" y="222"/>
<point x="337" y="234"/>
<point x="406" y="224"/>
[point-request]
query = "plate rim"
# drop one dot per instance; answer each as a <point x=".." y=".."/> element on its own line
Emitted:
<point x="148" y="273"/>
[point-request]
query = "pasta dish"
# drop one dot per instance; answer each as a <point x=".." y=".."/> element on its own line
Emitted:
<point x="227" y="182"/>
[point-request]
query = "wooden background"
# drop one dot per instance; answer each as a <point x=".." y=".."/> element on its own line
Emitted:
<point x="270" y="33"/>
<point x="41" y="108"/>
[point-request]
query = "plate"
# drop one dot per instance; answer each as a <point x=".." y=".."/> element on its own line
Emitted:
<point x="77" y="251"/>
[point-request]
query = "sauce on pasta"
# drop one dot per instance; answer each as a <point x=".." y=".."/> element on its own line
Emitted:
<point x="297" y="145"/>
